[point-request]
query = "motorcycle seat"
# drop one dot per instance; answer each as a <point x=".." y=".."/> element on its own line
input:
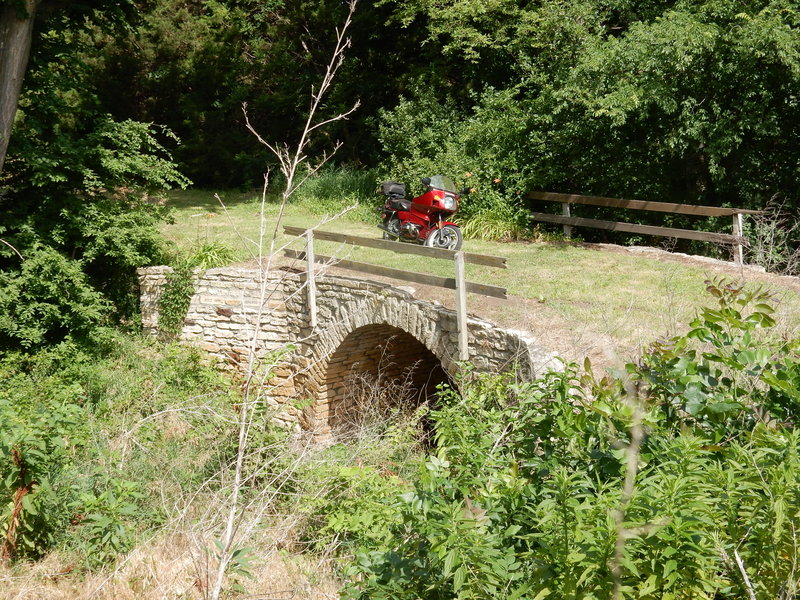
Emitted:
<point x="399" y="204"/>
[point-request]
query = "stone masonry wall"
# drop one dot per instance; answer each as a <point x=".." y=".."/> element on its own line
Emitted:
<point x="236" y="309"/>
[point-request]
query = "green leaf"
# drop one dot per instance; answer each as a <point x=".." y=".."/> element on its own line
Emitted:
<point x="669" y="567"/>
<point x="28" y="504"/>
<point x="449" y="562"/>
<point x="459" y="578"/>
<point x="649" y="586"/>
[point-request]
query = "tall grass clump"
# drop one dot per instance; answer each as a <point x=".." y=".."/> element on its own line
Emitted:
<point x="500" y="223"/>
<point x="331" y="190"/>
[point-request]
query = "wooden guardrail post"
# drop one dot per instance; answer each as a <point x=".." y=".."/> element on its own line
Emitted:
<point x="311" y="283"/>
<point x="738" y="253"/>
<point x="566" y="213"/>
<point x="461" y="307"/>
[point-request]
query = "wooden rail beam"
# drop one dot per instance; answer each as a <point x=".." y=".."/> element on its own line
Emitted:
<point x="689" y="234"/>
<point x="423" y="278"/>
<point x="403" y="248"/>
<point x="311" y="279"/>
<point x="668" y="207"/>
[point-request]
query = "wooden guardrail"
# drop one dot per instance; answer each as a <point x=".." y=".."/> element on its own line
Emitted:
<point x="458" y="283"/>
<point x="735" y="238"/>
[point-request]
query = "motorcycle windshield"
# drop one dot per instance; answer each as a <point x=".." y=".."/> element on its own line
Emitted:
<point x="444" y="183"/>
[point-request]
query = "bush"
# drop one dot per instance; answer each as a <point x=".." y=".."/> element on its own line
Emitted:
<point x="530" y="492"/>
<point x="49" y="297"/>
<point x="774" y="239"/>
<point x="423" y="137"/>
<point x="93" y="238"/>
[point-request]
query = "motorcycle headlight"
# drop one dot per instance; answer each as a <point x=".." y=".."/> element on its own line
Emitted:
<point x="449" y="202"/>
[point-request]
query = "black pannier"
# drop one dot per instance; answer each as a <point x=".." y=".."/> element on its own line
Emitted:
<point x="393" y="189"/>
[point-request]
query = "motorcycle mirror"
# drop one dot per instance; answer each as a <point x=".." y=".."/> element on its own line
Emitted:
<point x="426" y="181"/>
<point x="465" y="191"/>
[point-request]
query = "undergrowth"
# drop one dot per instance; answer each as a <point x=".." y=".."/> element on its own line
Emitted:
<point x="677" y="480"/>
<point x="94" y="442"/>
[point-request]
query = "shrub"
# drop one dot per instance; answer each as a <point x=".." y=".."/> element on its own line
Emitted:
<point x="774" y="239"/>
<point x="423" y="137"/>
<point x="49" y="297"/>
<point x="527" y="494"/>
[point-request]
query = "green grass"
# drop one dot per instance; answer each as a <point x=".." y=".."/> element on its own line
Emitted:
<point x="629" y="298"/>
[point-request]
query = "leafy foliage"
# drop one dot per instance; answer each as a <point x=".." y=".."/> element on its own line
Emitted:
<point x="191" y="65"/>
<point x="74" y="197"/>
<point x="735" y="379"/>
<point x="520" y="497"/>
<point x="47" y="298"/>
<point x="106" y="520"/>
<point x="173" y="303"/>
<point x="79" y="433"/>
<point x="423" y="137"/>
<point x="673" y="101"/>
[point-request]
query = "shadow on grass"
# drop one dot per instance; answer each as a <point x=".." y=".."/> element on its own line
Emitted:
<point x="206" y="200"/>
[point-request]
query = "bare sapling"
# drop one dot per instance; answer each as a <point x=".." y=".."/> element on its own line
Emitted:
<point x="774" y="239"/>
<point x="631" y="470"/>
<point x="290" y="160"/>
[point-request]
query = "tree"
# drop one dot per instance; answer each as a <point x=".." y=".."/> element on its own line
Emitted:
<point x="17" y="22"/>
<point x="671" y="100"/>
<point x="16" y="33"/>
<point x="74" y="210"/>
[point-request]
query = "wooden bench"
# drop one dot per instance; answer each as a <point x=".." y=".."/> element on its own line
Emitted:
<point x="734" y="239"/>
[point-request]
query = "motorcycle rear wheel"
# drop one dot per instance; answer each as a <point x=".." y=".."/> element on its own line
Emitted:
<point x="448" y="237"/>
<point x="393" y="225"/>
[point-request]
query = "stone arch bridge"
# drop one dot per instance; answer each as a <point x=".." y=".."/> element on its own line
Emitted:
<point x="365" y="330"/>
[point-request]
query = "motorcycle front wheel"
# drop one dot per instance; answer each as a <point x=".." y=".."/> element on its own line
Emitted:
<point x="448" y="237"/>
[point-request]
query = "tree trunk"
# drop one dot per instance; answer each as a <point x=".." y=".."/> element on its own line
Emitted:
<point x="16" y="33"/>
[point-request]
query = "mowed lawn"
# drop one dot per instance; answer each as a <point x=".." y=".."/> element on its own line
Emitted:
<point x="627" y="298"/>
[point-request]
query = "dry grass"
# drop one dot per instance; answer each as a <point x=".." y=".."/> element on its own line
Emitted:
<point x="173" y="566"/>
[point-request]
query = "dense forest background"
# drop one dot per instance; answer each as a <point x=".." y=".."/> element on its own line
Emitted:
<point x="689" y="101"/>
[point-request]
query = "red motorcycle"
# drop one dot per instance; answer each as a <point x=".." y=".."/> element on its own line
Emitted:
<point x="422" y="219"/>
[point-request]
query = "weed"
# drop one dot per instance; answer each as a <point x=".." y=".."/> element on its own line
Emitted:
<point x="774" y="239"/>
<point x="107" y="518"/>
<point x="173" y="303"/>
<point x="573" y="485"/>
<point x="211" y="254"/>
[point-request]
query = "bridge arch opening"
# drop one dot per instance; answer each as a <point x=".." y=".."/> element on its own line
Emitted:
<point x="376" y="372"/>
